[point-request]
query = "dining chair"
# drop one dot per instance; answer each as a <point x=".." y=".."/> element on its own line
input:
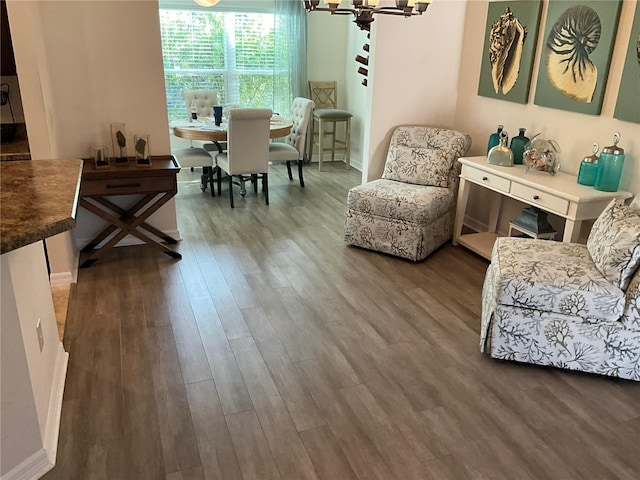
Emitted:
<point x="205" y="100"/>
<point x="325" y="113"/>
<point x="198" y="157"/>
<point x="247" y="155"/>
<point x="292" y="149"/>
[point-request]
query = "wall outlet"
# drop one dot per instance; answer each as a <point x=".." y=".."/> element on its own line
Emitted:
<point x="40" y="335"/>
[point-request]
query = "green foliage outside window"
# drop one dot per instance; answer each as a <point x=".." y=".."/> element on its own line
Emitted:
<point x="231" y="53"/>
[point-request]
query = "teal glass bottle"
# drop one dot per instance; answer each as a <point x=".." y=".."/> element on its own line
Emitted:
<point x="517" y="146"/>
<point x="494" y="138"/>
<point x="610" y="167"/>
<point x="589" y="168"/>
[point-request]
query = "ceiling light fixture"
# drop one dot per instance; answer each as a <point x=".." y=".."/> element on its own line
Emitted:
<point x="364" y="10"/>
<point x="207" y="3"/>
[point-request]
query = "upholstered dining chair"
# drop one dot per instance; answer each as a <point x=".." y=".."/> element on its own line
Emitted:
<point x="292" y="150"/>
<point x="197" y="157"/>
<point x="205" y="100"/>
<point x="247" y="155"/>
<point x="325" y="114"/>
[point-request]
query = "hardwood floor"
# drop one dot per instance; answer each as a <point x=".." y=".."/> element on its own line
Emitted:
<point x="274" y="351"/>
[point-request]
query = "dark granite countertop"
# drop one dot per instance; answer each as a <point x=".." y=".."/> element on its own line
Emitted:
<point x="38" y="199"/>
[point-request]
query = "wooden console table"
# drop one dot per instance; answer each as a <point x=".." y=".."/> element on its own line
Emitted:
<point x="558" y="194"/>
<point x="156" y="185"/>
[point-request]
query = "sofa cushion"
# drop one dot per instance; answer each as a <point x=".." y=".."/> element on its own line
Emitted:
<point x="553" y="277"/>
<point x="401" y="201"/>
<point x="424" y="155"/>
<point x="614" y="243"/>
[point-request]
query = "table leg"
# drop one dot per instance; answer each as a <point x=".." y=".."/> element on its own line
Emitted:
<point x="571" y="231"/>
<point x="133" y="210"/>
<point x="128" y="223"/>
<point x="461" y="208"/>
<point x="496" y="203"/>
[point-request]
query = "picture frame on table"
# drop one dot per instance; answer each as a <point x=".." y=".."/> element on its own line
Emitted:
<point x="510" y="39"/>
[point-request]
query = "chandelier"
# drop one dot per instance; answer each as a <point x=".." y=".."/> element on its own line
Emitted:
<point x="364" y="10"/>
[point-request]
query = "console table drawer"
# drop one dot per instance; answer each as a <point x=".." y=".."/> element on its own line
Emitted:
<point x="487" y="179"/>
<point x="126" y="186"/>
<point x="545" y="200"/>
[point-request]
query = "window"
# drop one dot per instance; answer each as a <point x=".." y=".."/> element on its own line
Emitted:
<point x="232" y="53"/>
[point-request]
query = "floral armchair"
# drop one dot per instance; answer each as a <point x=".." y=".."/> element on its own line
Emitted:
<point x="568" y="305"/>
<point x="410" y="211"/>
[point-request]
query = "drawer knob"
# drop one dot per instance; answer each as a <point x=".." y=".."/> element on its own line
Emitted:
<point x="484" y="179"/>
<point x="536" y="197"/>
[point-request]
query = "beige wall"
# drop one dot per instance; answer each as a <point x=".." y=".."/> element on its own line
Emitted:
<point x="574" y="132"/>
<point x="82" y="66"/>
<point x="414" y="76"/>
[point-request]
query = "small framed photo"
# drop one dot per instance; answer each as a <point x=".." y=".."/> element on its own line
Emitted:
<point x="100" y="156"/>
<point x="119" y="143"/>
<point x="141" y="146"/>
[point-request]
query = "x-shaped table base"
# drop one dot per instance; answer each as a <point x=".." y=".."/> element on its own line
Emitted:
<point x="126" y="221"/>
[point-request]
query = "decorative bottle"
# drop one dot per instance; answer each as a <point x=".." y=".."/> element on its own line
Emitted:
<point x="610" y="167"/>
<point x="501" y="154"/>
<point x="494" y="138"/>
<point x="194" y="109"/>
<point x="517" y="146"/>
<point x="589" y="168"/>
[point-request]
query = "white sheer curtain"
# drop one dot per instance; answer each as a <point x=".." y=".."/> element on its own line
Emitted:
<point x="291" y="48"/>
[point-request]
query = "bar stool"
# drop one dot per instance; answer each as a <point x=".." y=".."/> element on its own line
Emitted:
<point x="324" y="95"/>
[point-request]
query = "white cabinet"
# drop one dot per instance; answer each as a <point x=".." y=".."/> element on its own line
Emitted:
<point x="559" y="194"/>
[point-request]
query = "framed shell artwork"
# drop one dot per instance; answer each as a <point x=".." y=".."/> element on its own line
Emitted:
<point x="509" y="47"/>
<point x="628" y="105"/>
<point x="576" y="54"/>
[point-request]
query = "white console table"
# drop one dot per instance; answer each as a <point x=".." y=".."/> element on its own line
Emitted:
<point x="559" y="194"/>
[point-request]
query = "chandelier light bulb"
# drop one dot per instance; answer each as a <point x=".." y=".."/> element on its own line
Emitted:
<point x="207" y="3"/>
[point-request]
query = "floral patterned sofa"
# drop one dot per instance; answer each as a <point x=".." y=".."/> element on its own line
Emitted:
<point x="568" y="305"/>
<point x="409" y="212"/>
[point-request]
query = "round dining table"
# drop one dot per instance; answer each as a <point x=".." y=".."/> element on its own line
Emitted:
<point x="211" y="133"/>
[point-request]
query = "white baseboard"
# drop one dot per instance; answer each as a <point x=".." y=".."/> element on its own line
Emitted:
<point x="31" y="468"/>
<point x="62" y="278"/>
<point x="52" y="428"/>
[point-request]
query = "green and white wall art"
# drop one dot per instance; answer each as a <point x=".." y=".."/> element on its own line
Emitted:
<point x="628" y="105"/>
<point x="509" y="46"/>
<point x="576" y="54"/>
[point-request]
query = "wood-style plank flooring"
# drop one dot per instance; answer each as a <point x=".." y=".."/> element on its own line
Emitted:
<point x="274" y="351"/>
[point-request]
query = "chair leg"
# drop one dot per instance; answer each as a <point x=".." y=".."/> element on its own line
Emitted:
<point x="312" y="139"/>
<point x="347" y="139"/>
<point x="254" y="180"/>
<point x="333" y="142"/>
<point x="300" y="162"/>
<point x="265" y="187"/>
<point x="219" y="180"/>
<point x="289" y="170"/>
<point x="320" y="143"/>
<point x="231" y="190"/>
